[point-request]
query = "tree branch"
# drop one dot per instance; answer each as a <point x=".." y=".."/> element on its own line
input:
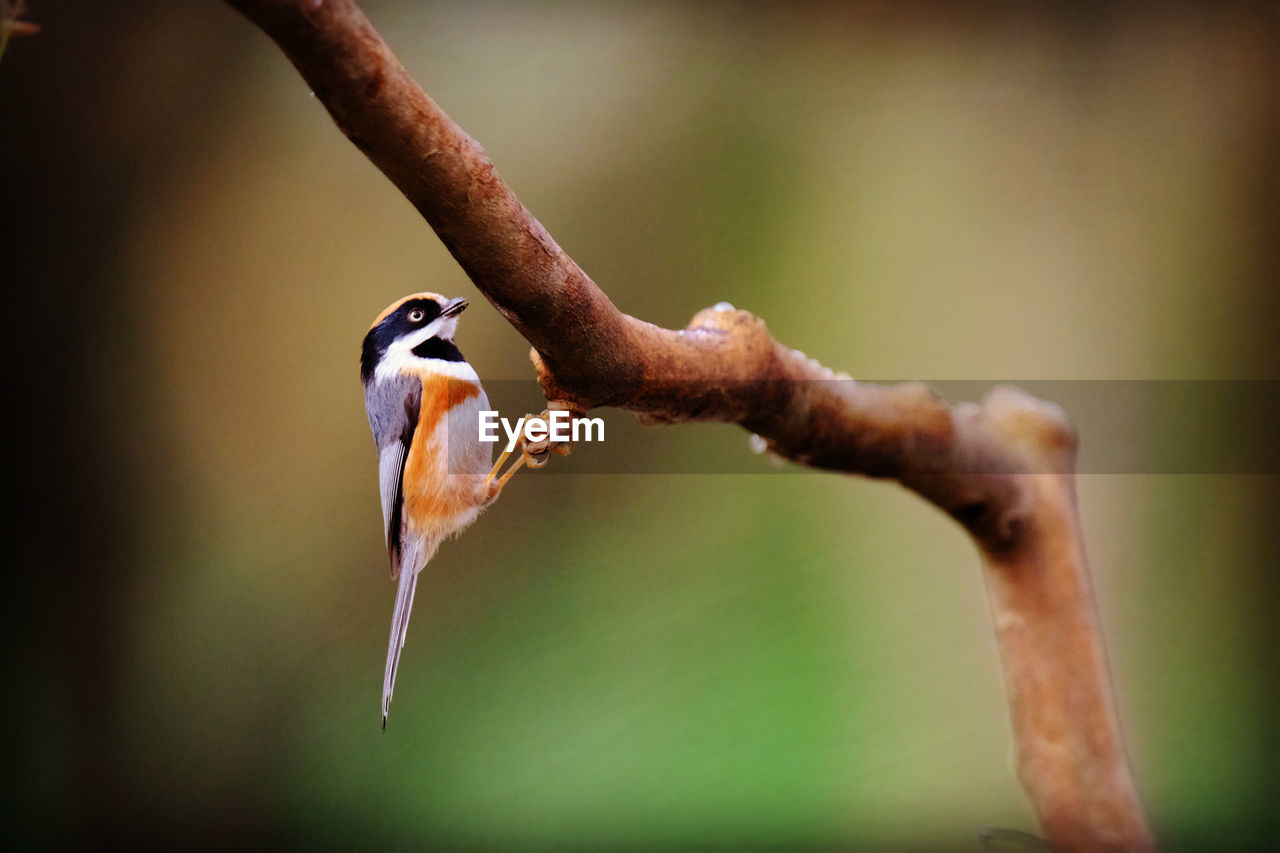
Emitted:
<point x="1003" y="469"/>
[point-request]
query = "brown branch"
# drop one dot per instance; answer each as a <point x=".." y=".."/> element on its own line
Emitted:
<point x="1003" y="469"/>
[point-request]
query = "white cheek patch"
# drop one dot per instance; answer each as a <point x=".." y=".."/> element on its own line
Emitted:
<point x="443" y="327"/>
<point x="440" y="327"/>
<point x="400" y="356"/>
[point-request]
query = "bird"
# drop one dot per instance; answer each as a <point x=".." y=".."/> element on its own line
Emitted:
<point x="423" y="401"/>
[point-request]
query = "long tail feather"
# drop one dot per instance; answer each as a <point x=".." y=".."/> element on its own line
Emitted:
<point x="399" y="625"/>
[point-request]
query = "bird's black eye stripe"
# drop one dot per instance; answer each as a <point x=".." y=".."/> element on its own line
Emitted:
<point x="418" y="311"/>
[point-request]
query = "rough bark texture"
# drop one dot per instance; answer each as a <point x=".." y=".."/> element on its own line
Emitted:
<point x="1004" y="469"/>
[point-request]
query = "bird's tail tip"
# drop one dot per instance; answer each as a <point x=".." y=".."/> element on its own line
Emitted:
<point x="399" y="625"/>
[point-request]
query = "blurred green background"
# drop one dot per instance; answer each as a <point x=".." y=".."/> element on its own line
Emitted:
<point x="199" y="605"/>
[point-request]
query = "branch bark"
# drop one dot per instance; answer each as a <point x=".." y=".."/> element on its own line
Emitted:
<point x="1004" y="469"/>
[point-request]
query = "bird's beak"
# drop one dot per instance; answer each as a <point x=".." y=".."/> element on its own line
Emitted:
<point x="454" y="307"/>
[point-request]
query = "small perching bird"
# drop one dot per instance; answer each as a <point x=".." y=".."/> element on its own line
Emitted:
<point x="423" y="402"/>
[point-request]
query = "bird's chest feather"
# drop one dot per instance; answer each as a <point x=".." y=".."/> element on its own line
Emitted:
<point x="447" y="463"/>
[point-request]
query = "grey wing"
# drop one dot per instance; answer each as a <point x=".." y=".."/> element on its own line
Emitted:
<point x="393" y="407"/>
<point x="390" y="478"/>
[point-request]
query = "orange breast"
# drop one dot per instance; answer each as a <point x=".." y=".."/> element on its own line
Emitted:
<point x="431" y="497"/>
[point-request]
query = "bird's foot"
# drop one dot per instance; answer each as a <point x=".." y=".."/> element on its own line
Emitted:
<point x="534" y="452"/>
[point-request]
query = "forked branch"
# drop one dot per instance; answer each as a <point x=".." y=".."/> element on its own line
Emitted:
<point x="1003" y="469"/>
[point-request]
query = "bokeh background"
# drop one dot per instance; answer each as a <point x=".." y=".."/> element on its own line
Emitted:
<point x="198" y="605"/>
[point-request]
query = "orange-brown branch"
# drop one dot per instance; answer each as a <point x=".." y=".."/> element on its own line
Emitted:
<point x="1003" y="468"/>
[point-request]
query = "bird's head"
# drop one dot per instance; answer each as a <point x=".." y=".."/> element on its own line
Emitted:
<point x="418" y="327"/>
